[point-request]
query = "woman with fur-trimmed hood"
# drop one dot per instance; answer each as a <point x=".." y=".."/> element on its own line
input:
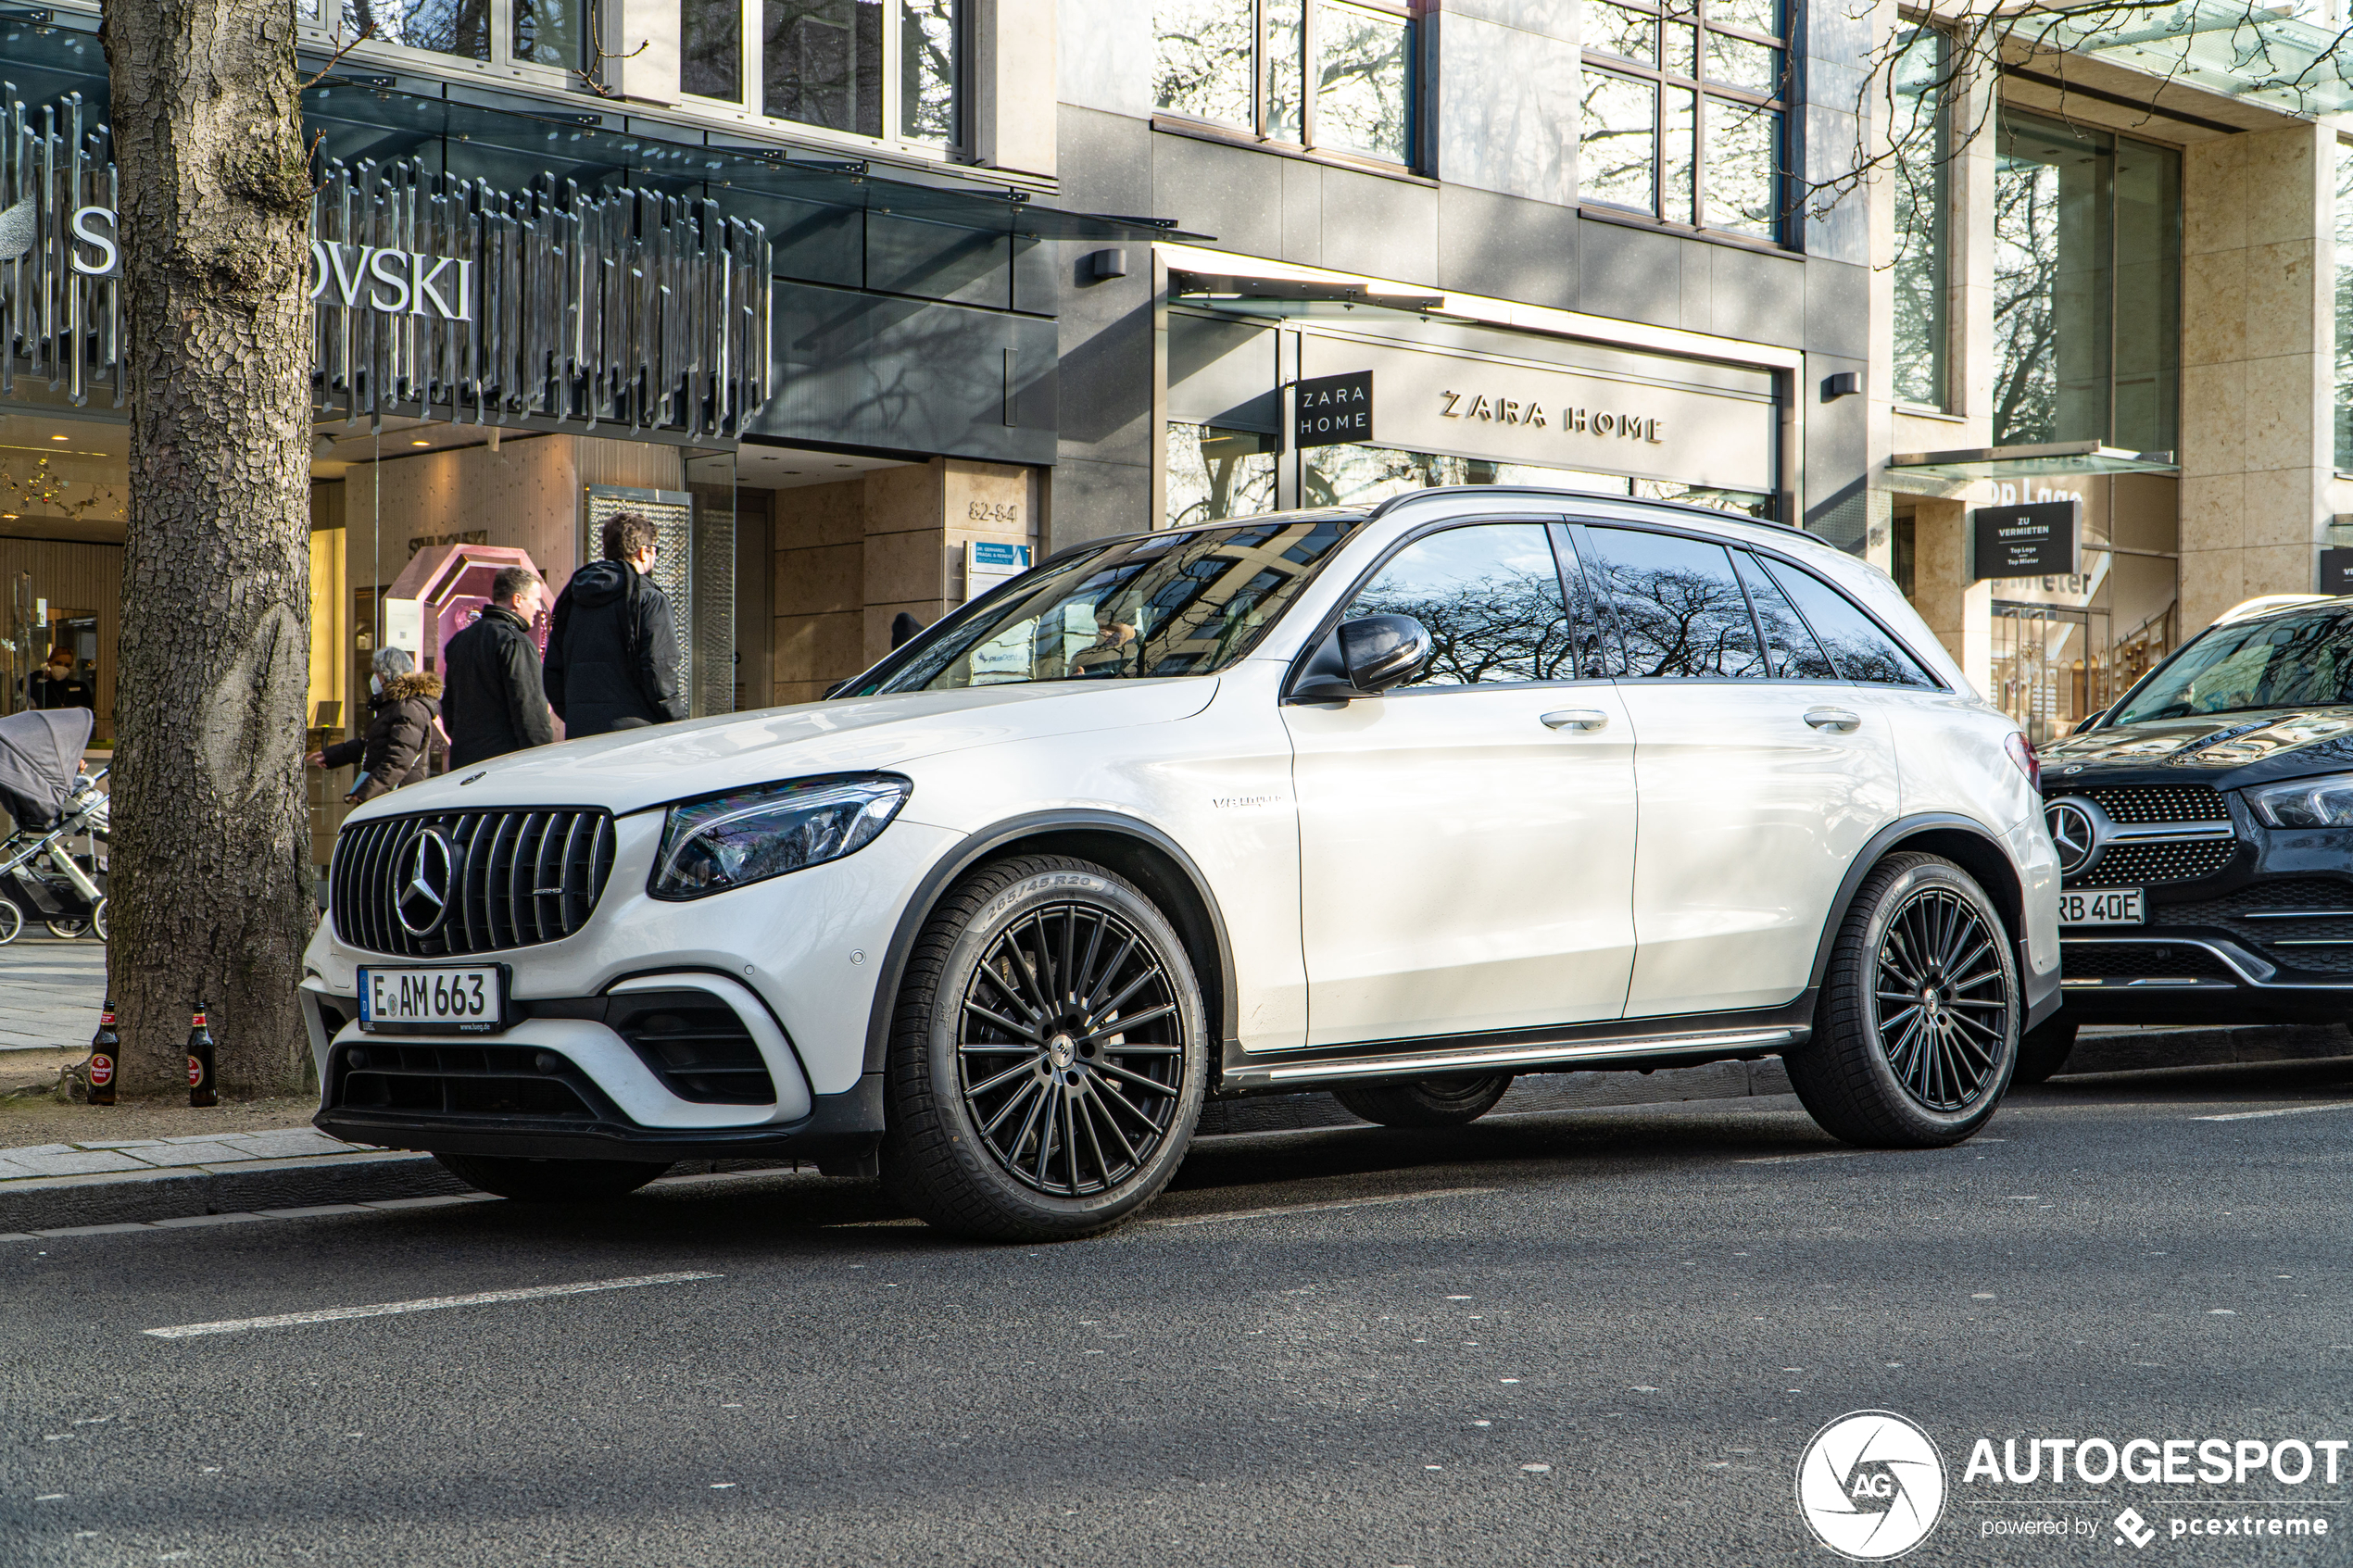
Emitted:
<point x="403" y="704"/>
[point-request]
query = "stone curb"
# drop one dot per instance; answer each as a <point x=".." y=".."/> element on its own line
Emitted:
<point x="133" y="1197"/>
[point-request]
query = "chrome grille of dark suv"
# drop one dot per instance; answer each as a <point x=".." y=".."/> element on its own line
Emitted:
<point x="518" y="879"/>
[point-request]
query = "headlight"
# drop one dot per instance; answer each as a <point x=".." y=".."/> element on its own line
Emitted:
<point x="724" y="841"/>
<point x="2325" y="802"/>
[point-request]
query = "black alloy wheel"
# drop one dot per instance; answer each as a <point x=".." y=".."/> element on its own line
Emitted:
<point x="1916" y="1032"/>
<point x="1943" y="998"/>
<point x="1069" y="1060"/>
<point x="1049" y="1055"/>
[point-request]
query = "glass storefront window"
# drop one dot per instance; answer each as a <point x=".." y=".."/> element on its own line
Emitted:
<point x="1245" y="63"/>
<point x="2087" y="237"/>
<point x="1922" y="183"/>
<point x="1215" y="474"/>
<point x="1683" y="113"/>
<point x="1359" y="476"/>
<point x="2343" y="283"/>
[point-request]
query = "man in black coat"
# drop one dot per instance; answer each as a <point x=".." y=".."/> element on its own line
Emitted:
<point x="492" y="703"/>
<point x="613" y="645"/>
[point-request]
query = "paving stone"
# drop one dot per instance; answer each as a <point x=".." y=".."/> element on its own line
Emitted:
<point x="192" y="1219"/>
<point x="74" y="1161"/>
<point x="290" y="1143"/>
<point x="120" y="1142"/>
<point x="96" y="1229"/>
<point x="319" y="1209"/>
<point x="193" y="1154"/>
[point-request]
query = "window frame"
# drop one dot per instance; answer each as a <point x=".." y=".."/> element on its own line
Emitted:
<point x="1411" y="13"/>
<point x="320" y="36"/>
<point x="1655" y="74"/>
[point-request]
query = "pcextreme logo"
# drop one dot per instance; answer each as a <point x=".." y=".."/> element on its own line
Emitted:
<point x="1871" y="1486"/>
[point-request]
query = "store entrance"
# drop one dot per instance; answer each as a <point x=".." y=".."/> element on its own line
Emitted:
<point x="2057" y="665"/>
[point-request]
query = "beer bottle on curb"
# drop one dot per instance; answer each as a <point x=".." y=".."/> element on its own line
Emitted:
<point x="104" y="1045"/>
<point x="200" y="1063"/>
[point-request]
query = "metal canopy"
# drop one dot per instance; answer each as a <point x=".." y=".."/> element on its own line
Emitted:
<point x="363" y="119"/>
<point x="2026" y="462"/>
<point x="1287" y="298"/>
<point x="2235" y="50"/>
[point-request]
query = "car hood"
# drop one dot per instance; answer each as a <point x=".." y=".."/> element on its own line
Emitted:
<point x="2222" y="750"/>
<point x="631" y="770"/>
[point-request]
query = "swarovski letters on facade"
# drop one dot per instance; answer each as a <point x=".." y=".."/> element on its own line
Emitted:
<point x="438" y="298"/>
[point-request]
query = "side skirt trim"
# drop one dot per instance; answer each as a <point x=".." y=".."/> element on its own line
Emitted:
<point x="1245" y="1077"/>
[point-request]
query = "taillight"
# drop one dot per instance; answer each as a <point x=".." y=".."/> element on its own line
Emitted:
<point x="2021" y="752"/>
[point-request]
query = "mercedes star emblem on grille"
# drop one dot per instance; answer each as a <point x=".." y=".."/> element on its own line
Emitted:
<point x="420" y="902"/>
<point x="2071" y="835"/>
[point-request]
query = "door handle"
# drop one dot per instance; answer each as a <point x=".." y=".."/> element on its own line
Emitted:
<point x="1842" y="720"/>
<point x="1577" y="719"/>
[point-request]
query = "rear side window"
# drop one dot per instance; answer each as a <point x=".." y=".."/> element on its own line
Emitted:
<point x="1854" y="641"/>
<point x="1489" y="595"/>
<point x="1790" y="649"/>
<point x="1681" y="611"/>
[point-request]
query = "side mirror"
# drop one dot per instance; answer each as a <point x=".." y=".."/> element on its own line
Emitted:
<point x="1364" y="658"/>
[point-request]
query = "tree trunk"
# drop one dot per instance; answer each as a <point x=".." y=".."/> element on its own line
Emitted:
<point x="211" y="899"/>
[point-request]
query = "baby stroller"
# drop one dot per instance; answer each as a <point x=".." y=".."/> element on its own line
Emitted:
<point x="52" y="802"/>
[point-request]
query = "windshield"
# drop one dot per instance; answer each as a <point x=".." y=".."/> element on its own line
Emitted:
<point x="1171" y="604"/>
<point x="2299" y="660"/>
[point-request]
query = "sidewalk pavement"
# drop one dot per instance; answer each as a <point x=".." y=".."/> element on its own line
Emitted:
<point x="50" y="991"/>
<point x="205" y="1151"/>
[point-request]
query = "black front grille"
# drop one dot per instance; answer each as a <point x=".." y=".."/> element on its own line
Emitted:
<point x="2136" y="961"/>
<point x="2265" y="916"/>
<point x="518" y="879"/>
<point x="2137" y="804"/>
<point x="2130" y="865"/>
<point x="445" y="1081"/>
<point x="696" y="1044"/>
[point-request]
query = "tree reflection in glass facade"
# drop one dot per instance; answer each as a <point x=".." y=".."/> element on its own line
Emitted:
<point x="1215" y="474"/>
<point x="1923" y="189"/>
<point x="1682" y="112"/>
<point x="1244" y="63"/>
<point x="2087" y="235"/>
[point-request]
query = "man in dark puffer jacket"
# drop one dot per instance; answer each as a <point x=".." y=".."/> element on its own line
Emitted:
<point x="397" y="748"/>
<point x="612" y="646"/>
<point x="495" y="705"/>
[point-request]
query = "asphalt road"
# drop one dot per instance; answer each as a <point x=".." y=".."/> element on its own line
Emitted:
<point x="1598" y="1337"/>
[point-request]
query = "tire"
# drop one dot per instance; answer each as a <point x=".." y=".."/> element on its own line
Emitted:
<point x="2044" y="1049"/>
<point x="66" y="930"/>
<point x="1049" y="1054"/>
<point x="11" y="923"/>
<point x="1430" y="1102"/>
<point x="551" y="1181"/>
<point x="98" y="919"/>
<point x="1889" y="1066"/>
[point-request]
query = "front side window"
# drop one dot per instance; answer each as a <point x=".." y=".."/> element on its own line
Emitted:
<point x="1490" y="597"/>
<point x="1683" y="110"/>
<point x="1336" y="75"/>
<point x="1681" y="611"/>
<point x="1164" y="605"/>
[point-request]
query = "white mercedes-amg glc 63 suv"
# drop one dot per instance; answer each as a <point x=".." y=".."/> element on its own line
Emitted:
<point x="1395" y="802"/>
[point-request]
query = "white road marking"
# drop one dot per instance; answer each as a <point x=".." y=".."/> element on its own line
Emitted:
<point x="427" y="1304"/>
<point x="2284" y="1111"/>
<point x="1319" y="1208"/>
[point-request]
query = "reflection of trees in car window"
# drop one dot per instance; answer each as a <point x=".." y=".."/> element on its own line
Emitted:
<point x="1790" y="649"/>
<point x="1490" y="597"/>
<point x="1854" y="642"/>
<point x="2296" y="661"/>
<point x="1168" y="603"/>
<point x="1679" y="609"/>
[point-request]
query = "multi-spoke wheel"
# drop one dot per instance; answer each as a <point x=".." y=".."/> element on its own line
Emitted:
<point x="1048" y="1056"/>
<point x="1916" y="1032"/>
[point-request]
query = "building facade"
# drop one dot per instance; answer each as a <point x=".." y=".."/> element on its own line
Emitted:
<point x="2109" y="276"/>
